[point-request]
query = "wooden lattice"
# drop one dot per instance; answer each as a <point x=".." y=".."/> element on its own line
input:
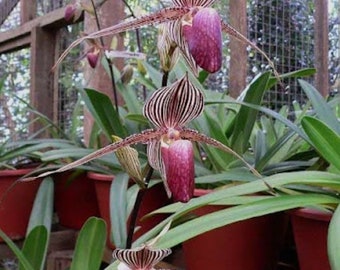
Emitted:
<point x="6" y="6"/>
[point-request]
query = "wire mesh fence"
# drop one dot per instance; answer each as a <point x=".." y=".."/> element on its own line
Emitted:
<point x="284" y="29"/>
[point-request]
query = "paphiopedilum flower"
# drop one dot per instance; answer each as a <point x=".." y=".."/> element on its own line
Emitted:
<point x="169" y="147"/>
<point x="141" y="258"/>
<point x="190" y="26"/>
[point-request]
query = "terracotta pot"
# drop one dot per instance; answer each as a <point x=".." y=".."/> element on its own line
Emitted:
<point x="16" y="201"/>
<point x="154" y="198"/>
<point x="310" y="228"/>
<point x="75" y="199"/>
<point x="252" y="244"/>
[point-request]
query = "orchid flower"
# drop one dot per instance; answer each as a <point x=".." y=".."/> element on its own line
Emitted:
<point x="141" y="258"/>
<point x="169" y="146"/>
<point x="190" y="26"/>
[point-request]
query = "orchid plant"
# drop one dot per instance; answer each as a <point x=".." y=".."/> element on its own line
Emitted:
<point x="190" y="27"/>
<point x="169" y="145"/>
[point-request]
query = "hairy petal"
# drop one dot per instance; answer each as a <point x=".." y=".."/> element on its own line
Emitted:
<point x="175" y="105"/>
<point x="228" y="29"/>
<point x="178" y="159"/>
<point x="142" y="258"/>
<point x="164" y="15"/>
<point x="204" y="38"/>
<point x="194" y="135"/>
<point x="144" y="137"/>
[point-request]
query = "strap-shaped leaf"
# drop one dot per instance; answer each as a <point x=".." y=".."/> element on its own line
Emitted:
<point x="325" y="140"/>
<point x="175" y="105"/>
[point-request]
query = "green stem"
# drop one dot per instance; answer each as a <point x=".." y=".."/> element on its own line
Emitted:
<point x="108" y="60"/>
<point x="142" y="191"/>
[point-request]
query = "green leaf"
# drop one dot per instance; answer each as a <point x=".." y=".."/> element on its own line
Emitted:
<point x="314" y="178"/>
<point x="39" y="227"/>
<point x="305" y="72"/>
<point x="35" y="247"/>
<point x="42" y="210"/>
<point x="246" y="116"/>
<point x="90" y="245"/>
<point x="118" y="209"/>
<point x="333" y="243"/>
<point x="324" y="139"/>
<point x="104" y="113"/>
<point x="215" y="220"/>
<point x="323" y="110"/>
<point x="18" y="253"/>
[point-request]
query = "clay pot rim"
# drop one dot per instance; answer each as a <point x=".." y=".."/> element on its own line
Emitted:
<point x="100" y="176"/>
<point x="15" y="172"/>
<point x="311" y="213"/>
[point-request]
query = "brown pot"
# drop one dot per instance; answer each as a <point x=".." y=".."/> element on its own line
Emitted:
<point x="16" y="201"/>
<point x="310" y="228"/>
<point x="75" y="199"/>
<point x="154" y="198"/>
<point x="252" y="244"/>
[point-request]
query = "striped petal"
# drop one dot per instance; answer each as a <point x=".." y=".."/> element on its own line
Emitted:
<point x="204" y="38"/>
<point x="176" y="34"/>
<point x="167" y="48"/>
<point x="193" y="3"/>
<point x="178" y="159"/>
<point x="164" y="15"/>
<point x="142" y="258"/>
<point x="174" y="106"/>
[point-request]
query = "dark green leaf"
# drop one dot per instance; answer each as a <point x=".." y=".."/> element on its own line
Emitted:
<point x="324" y="139"/>
<point x="323" y="110"/>
<point x="246" y="116"/>
<point x="104" y="113"/>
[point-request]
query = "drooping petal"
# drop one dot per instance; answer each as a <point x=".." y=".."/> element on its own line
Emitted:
<point x="228" y="29"/>
<point x="204" y="38"/>
<point x="164" y="15"/>
<point x="175" y="105"/>
<point x="178" y="159"/>
<point x="142" y="258"/>
<point x="145" y="136"/>
<point x="195" y="136"/>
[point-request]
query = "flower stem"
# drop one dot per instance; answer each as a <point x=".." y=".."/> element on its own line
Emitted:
<point x="108" y="60"/>
<point x="142" y="191"/>
<point x="135" y="210"/>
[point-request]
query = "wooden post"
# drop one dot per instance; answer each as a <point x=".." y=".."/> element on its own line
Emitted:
<point x="321" y="46"/>
<point x="42" y="78"/>
<point x="28" y="10"/>
<point x="238" y="50"/>
<point x="110" y="13"/>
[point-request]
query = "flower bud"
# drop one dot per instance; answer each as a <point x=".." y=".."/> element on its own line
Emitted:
<point x="92" y="57"/>
<point x="70" y="11"/>
<point x="204" y="38"/>
<point x="178" y="159"/>
<point x="127" y="74"/>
